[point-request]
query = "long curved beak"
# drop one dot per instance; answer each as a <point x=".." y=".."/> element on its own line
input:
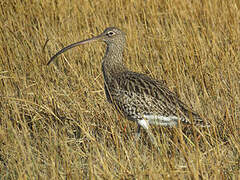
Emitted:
<point x="74" y="45"/>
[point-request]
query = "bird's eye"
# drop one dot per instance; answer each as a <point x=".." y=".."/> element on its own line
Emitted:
<point x="110" y="33"/>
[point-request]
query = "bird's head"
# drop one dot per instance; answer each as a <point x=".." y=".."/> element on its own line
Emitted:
<point x="111" y="36"/>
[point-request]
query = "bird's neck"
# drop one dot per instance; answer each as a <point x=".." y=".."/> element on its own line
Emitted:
<point x="112" y="63"/>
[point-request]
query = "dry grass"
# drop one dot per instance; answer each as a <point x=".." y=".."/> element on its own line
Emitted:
<point x="55" y="121"/>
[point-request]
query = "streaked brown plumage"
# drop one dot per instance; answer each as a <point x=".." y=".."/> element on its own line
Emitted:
<point x="138" y="97"/>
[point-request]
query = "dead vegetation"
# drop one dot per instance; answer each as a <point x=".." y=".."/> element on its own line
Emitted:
<point x="55" y="121"/>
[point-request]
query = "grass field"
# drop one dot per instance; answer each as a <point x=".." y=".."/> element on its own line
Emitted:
<point x="55" y="121"/>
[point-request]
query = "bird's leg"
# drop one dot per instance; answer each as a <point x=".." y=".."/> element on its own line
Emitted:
<point x="137" y="136"/>
<point x="143" y="123"/>
<point x="153" y="139"/>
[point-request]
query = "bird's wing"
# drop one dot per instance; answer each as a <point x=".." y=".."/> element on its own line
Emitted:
<point x="143" y="84"/>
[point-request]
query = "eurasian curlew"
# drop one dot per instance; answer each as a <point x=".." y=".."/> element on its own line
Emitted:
<point x="138" y="97"/>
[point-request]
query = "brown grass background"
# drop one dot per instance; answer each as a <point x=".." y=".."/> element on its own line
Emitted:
<point x="55" y="121"/>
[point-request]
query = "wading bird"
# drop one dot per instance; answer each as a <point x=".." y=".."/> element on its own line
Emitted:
<point x="137" y="96"/>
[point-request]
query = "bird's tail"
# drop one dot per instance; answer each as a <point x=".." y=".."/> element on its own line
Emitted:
<point x="196" y="120"/>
